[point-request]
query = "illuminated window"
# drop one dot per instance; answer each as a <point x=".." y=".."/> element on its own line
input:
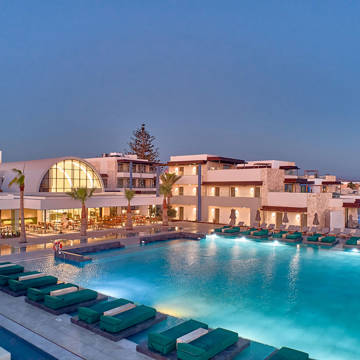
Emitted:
<point x="69" y="174"/>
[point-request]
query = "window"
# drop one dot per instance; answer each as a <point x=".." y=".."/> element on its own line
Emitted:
<point x="181" y="170"/>
<point x="232" y="192"/>
<point x="105" y="181"/>
<point x="69" y="174"/>
<point x="324" y="188"/>
<point x="217" y="191"/>
<point x="141" y="183"/>
<point x="123" y="167"/>
<point x="257" y="191"/>
<point x="289" y="188"/>
<point x="181" y="190"/>
<point x="123" y="182"/>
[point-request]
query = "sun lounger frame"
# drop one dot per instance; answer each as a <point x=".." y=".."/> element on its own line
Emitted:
<point x="67" y="309"/>
<point x="227" y="354"/>
<point x="132" y="330"/>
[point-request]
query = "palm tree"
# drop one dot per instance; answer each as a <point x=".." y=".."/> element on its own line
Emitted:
<point x="129" y="194"/>
<point x="82" y="194"/>
<point x="19" y="180"/>
<point x="167" y="182"/>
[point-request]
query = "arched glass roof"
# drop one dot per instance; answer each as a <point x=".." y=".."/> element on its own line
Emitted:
<point x="68" y="174"/>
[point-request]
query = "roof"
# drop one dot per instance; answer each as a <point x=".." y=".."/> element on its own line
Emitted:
<point x="289" y="167"/>
<point x="355" y="204"/>
<point x="231" y="183"/>
<point x="34" y="171"/>
<point x="284" y="208"/>
<point x="202" y="159"/>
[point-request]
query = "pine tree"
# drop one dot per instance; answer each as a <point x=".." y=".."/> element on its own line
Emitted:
<point x="142" y="144"/>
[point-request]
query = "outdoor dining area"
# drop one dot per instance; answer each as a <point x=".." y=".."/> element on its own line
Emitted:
<point x="69" y="220"/>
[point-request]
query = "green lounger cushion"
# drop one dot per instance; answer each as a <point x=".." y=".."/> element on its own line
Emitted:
<point x="61" y="301"/>
<point x="232" y="230"/>
<point x="247" y="232"/>
<point x="5" y="278"/>
<point x="39" y="294"/>
<point x="279" y="234"/>
<point x="5" y="262"/>
<point x="222" y="228"/>
<point x="114" y="324"/>
<point x="289" y="354"/>
<point x="353" y="240"/>
<point x="328" y="239"/>
<point x="294" y="236"/>
<point x="93" y="313"/>
<point x="314" y="237"/>
<point x="17" y="286"/>
<point x="165" y="341"/>
<point x="208" y="345"/>
<point x="11" y="269"/>
<point x="263" y="232"/>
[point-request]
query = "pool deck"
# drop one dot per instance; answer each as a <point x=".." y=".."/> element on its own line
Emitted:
<point x="61" y="338"/>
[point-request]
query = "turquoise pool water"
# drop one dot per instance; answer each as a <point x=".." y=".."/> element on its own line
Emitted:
<point x="277" y="294"/>
<point x="21" y="349"/>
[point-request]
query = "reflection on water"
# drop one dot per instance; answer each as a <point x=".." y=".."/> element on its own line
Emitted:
<point x="259" y="289"/>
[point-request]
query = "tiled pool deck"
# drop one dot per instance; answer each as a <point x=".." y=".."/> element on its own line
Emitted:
<point x="61" y="339"/>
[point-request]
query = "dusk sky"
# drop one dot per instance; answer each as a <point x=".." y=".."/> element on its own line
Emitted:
<point x="247" y="79"/>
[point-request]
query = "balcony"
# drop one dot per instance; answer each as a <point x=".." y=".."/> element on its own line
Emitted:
<point x="184" y="200"/>
<point x="287" y="199"/>
<point x="249" y="176"/>
<point x="227" y="201"/>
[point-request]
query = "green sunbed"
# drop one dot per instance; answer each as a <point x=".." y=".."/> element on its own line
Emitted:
<point x="11" y="269"/>
<point x="5" y="278"/>
<point x="247" y="232"/>
<point x="289" y="354"/>
<point x="279" y="235"/>
<point x="93" y="313"/>
<point x="165" y="341"/>
<point x="328" y="239"/>
<point x="222" y="228"/>
<point x="117" y="323"/>
<point x="18" y="286"/>
<point x="263" y="232"/>
<point x="207" y="346"/>
<point x="37" y="295"/>
<point x="233" y="230"/>
<point x="61" y="301"/>
<point x="314" y="238"/>
<point x="353" y="240"/>
<point x="294" y="236"/>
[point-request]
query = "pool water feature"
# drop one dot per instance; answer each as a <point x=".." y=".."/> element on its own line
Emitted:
<point x="270" y="292"/>
<point x="21" y="349"/>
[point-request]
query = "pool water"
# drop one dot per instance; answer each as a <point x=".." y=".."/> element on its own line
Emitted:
<point x="21" y="349"/>
<point x="273" y="293"/>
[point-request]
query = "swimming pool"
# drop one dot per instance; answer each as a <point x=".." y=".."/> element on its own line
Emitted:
<point x="21" y="349"/>
<point x="278" y="294"/>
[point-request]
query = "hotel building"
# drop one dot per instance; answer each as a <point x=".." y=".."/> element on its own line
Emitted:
<point x="211" y="186"/>
<point x="48" y="180"/>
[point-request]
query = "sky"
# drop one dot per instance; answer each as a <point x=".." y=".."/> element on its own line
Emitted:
<point x="253" y="80"/>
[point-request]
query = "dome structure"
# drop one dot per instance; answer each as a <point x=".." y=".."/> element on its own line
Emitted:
<point x="51" y="175"/>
